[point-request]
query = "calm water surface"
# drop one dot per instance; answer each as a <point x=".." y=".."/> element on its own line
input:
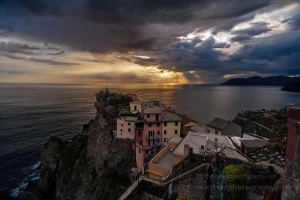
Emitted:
<point x="30" y="114"/>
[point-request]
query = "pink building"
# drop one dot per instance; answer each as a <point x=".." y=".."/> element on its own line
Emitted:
<point x="126" y="127"/>
<point x="148" y="135"/>
<point x="134" y="97"/>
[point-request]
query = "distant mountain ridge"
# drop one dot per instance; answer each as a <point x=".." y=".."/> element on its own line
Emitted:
<point x="260" y="81"/>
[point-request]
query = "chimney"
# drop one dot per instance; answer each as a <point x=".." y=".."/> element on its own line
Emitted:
<point x="293" y="132"/>
<point x="186" y="150"/>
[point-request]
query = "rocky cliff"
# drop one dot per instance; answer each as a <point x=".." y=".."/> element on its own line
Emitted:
<point x="94" y="165"/>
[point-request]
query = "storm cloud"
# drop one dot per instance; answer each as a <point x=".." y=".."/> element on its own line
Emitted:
<point x="211" y="38"/>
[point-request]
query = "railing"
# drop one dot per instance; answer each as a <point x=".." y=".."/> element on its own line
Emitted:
<point x="151" y="138"/>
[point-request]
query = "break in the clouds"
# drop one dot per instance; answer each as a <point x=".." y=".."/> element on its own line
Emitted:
<point x="147" y="41"/>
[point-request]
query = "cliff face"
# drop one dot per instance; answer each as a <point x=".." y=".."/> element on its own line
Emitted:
<point x="94" y="165"/>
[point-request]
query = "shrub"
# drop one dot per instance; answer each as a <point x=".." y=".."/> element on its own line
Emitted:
<point x="236" y="178"/>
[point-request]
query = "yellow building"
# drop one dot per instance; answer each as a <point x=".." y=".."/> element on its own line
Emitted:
<point x="171" y="125"/>
<point x="137" y="106"/>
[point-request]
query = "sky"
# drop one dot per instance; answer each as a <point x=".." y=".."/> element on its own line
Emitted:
<point x="147" y="41"/>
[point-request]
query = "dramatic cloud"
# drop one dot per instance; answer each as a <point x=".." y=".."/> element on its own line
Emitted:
<point x="201" y="41"/>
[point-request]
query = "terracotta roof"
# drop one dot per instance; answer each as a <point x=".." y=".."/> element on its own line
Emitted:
<point x="185" y="119"/>
<point x="191" y="124"/>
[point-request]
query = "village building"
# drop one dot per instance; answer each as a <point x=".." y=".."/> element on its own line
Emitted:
<point x="249" y="142"/>
<point x="220" y="126"/>
<point x="177" y="149"/>
<point x="148" y="135"/>
<point x="137" y="106"/>
<point x="184" y="121"/>
<point x="171" y="125"/>
<point x="126" y="127"/>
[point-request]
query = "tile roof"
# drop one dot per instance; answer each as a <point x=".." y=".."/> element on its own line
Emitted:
<point x="191" y="124"/>
<point x="198" y="128"/>
<point x="152" y="110"/>
<point x="129" y="118"/>
<point x="185" y="119"/>
<point x="169" y="117"/>
<point x="218" y="123"/>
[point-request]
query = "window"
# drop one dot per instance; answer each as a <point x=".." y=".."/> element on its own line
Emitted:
<point x="129" y="124"/>
<point x="165" y="123"/>
<point x="165" y="139"/>
<point x="157" y="140"/>
<point x="121" y="124"/>
<point x="148" y="116"/>
<point x="158" y="132"/>
<point x="135" y="108"/>
<point x="141" y="142"/>
<point x="139" y="151"/>
<point x="158" y="124"/>
<point x="129" y="130"/>
<point x="121" y="130"/>
<point x="146" y="151"/>
<point x="165" y="131"/>
<point x="216" y="132"/>
<point x="176" y="123"/>
<point x="150" y="125"/>
<point x="140" y="133"/>
<point x="175" y="131"/>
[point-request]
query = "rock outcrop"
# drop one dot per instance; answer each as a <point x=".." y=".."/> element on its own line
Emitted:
<point x="94" y="165"/>
<point x="292" y="87"/>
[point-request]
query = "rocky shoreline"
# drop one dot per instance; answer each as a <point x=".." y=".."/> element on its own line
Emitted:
<point x="94" y="165"/>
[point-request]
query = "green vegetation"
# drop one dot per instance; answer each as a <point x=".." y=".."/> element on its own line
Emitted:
<point x="112" y="102"/>
<point x="274" y="120"/>
<point x="236" y="178"/>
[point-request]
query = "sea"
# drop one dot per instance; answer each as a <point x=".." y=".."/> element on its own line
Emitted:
<point x="31" y="113"/>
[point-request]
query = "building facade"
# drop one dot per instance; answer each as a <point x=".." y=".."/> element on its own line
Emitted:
<point x="171" y="126"/>
<point x="126" y="127"/>
<point x="223" y="127"/>
<point x="148" y="136"/>
<point x="137" y="107"/>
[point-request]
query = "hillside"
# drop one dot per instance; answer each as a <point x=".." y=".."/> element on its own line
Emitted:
<point x="292" y="87"/>
<point x="258" y="81"/>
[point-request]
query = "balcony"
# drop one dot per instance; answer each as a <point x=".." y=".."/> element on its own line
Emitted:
<point x="151" y="138"/>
